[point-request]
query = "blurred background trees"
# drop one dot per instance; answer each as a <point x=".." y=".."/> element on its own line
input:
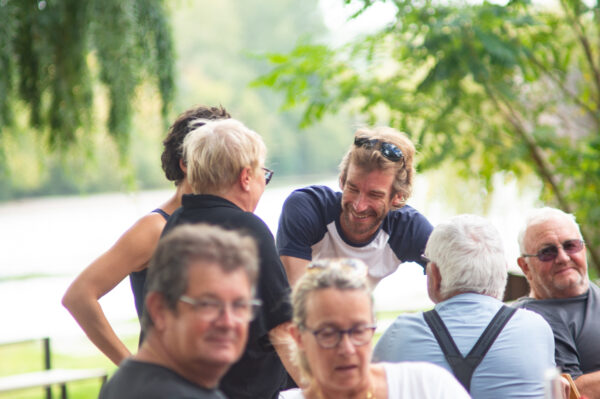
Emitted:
<point x="88" y="89"/>
<point x="481" y="88"/>
<point x="488" y="92"/>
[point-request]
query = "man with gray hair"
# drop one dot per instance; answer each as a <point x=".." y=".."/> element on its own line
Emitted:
<point x="199" y="301"/>
<point x="553" y="258"/>
<point x="493" y="350"/>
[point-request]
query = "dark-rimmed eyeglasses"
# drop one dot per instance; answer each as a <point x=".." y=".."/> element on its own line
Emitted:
<point x="210" y="309"/>
<point x="268" y="175"/>
<point x="425" y="259"/>
<point x="550" y="252"/>
<point x="330" y="337"/>
<point x="388" y="150"/>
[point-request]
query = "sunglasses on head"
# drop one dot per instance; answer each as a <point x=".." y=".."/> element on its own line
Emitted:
<point x="550" y="252"/>
<point x="388" y="150"/>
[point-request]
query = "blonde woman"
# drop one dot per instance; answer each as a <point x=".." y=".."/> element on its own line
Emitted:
<point x="333" y="327"/>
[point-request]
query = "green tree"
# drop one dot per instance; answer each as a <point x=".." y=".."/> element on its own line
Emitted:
<point x="485" y="87"/>
<point x="52" y="53"/>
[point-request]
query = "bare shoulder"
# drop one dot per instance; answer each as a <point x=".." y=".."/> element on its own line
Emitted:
<point x="140" y="240"/>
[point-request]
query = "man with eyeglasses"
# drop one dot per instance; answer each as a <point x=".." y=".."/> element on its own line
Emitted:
<point x="199" y="301"/>
<point x="495" y="351"/>
<point x="369" y="220"/>
<point x="553" y="258"/>
<point x="224" y="161"/>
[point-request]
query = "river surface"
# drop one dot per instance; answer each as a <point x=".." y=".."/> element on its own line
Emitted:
<point x="46" y="242"/>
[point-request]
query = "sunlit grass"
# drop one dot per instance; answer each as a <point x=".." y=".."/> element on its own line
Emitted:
<point x="28" y="357"/>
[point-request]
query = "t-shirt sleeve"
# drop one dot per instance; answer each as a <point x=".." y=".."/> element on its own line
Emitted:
<point x="565" y="348"/>
<point x="300" y="225"/>
<point x="273" y="286"/>
<point x="410" y="234"/>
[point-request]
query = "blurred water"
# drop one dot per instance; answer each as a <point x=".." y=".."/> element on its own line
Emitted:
<point x="55" y="238"/>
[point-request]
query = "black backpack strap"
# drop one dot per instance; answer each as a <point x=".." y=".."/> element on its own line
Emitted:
<point x="491" y="332"/>
<point x="463" y="368"/>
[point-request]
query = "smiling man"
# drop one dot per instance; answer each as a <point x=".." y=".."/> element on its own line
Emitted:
<point x="200" y="287"/>
<point x="368" y="220"/>
<point x="553" y="258"/>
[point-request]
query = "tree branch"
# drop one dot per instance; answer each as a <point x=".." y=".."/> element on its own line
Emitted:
<point x="542" y="165"/>
<point x="580" y="32"/>
<point x="594" y="114"/>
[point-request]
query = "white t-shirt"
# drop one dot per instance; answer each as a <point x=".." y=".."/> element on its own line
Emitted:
<point x="409" y="380"/>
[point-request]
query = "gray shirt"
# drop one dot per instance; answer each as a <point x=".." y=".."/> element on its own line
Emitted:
<point x="142" y="380"/>
<point x="575" y="323"/>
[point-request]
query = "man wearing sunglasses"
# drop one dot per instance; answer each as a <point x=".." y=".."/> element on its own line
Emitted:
<point x="199" y="301"/>
<point x="495" y="351"/>
<point x="553" y="258"/>
<point x="368" y="220"/>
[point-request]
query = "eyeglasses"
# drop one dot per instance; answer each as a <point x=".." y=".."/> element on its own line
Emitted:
<point x="330" y="337"/>
<point x="388" y="150"/>
<point x="268" y="175"/>
<point x="210" y="309"/>
<point x="350" y="264"/>
<point x="425" y="259"/>
<point x="550" y="252"/>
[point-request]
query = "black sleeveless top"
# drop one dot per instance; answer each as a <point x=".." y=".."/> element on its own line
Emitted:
<point x="138" y="279"/>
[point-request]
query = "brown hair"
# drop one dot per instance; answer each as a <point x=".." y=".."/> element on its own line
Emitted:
<point x="370" y="159"/>
<point x="172" y="144"/>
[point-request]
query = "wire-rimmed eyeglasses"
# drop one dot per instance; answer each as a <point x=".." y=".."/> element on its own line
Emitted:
<point x="550" y="252"/>
<point x="268" y="175"/>
<point x="210" y="309"/>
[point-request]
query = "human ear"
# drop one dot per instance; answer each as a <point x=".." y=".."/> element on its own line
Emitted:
<point x="397" y="200"/>
<point x="156" y="309"/>
<point x="295" y="333"/>
<point x="183" y="166"/>
<point x="244" y="178"/>
<point x="522" y="262"/>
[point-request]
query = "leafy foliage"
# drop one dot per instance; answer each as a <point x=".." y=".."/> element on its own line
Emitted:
<point x="50" y="52"/>
<point x="485" y="87"/>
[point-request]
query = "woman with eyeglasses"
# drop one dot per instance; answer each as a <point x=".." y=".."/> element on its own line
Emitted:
<point x="333" y="327"/>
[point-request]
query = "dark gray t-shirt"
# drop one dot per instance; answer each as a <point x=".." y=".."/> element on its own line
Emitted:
<point x="575" y="323"/>
<point x="142" y="380"/>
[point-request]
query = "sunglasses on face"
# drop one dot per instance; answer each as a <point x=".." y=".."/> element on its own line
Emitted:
<point x="388" y="150"/>
<point x="550" y="252"/>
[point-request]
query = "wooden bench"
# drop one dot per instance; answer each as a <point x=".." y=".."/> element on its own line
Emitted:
<point x="47" y="377"/>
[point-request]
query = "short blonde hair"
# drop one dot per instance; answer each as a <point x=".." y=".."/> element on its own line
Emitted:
<point x="369" y="160"/>
<point x="216" y="152"/>
<point x="342" y="274"/>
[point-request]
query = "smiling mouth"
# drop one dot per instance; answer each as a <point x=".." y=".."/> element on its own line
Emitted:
<point x="361" y="216"/>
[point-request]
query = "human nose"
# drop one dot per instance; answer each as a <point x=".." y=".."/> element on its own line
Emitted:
<point x="226" y="317"/>
<point x="562" y="255"/>
<point x="360" y="203"/>
<point x="346" y="346"/>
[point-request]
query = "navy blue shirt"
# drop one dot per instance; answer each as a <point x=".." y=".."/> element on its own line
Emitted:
<point x="309" y="228"/>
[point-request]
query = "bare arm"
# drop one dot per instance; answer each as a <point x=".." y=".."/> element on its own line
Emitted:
<point x="283" y="343"/>
<point x="131" y="252"/>
<point x="589" y="384"/>
<point x="294" y="268"/>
